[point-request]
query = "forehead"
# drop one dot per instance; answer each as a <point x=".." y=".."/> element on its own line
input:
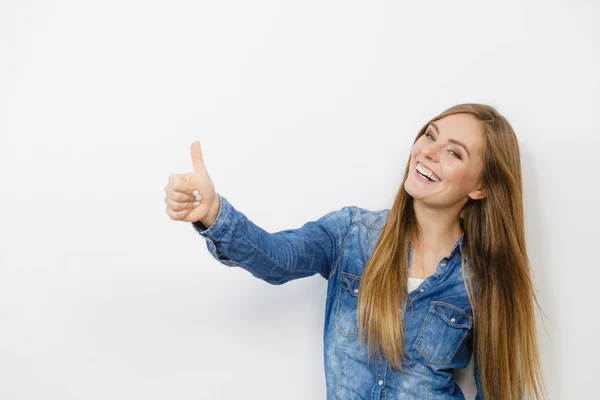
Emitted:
<point x="463" y="127"/>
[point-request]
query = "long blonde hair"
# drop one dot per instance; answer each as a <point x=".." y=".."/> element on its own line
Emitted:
<point x="504" y="343"/>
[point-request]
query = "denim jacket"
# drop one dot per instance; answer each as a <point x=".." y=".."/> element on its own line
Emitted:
<point x="438" y="318"/>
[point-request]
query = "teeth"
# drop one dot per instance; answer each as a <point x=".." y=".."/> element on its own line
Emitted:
<point x="425" y="176"/>
<point x="425" y="172"/>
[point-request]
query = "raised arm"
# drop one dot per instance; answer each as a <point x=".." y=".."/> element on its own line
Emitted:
<point x="281" y="256"/>
<point x="236" y="241"/>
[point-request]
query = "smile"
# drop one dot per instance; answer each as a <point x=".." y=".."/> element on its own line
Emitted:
<point x="425" y="174"/>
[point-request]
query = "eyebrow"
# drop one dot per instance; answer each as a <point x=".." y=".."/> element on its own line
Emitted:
<point x="451" y="140"/>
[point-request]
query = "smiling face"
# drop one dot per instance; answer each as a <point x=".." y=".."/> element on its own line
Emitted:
<point x="450" y="153"/>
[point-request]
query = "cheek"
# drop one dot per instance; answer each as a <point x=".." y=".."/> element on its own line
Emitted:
<point x="459" y="176"/>
<point x="416" y="149"/>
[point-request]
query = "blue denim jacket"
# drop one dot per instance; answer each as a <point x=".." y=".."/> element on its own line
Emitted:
<point x="438" y="321"/>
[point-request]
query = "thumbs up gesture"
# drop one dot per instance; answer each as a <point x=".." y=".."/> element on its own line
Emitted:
<point x="191" y="197"/>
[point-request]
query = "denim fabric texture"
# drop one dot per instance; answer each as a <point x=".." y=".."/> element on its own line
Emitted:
<point x="438" y="319"/>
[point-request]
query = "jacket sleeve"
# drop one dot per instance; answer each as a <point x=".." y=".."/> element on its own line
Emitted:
<point x="477" y="375"/>
<point x="281" y="256"/>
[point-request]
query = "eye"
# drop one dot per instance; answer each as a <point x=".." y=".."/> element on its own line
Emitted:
<point x="455" y="154"/>
<point x="431" y="137"/>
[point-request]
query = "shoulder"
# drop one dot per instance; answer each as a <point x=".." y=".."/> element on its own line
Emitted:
<point x="372" y="219"/>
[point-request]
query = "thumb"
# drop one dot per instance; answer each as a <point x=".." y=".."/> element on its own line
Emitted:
<point x="197" y="159"/>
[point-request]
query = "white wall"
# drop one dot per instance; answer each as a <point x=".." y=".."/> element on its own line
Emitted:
<point x="301" y="107"/>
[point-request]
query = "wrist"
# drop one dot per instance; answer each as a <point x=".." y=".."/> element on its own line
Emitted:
<point x="213" y="213"/>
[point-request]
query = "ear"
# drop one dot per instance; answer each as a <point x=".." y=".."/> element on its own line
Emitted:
<point x="478" y="193"/>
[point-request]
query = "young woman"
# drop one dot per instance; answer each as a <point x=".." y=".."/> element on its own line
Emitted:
<point x="415" y="290"/>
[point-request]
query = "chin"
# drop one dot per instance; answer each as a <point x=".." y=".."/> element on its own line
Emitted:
<point x="417" y="192"/>
<point x="411" y="190"/>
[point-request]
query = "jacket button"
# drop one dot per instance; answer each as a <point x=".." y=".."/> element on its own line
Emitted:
<point x="380" y="382"/>
<point x="355" y="290"/>
<point x="452" y="320"/>
<point x="422" y="290"/>
<point x="443" y="264"/>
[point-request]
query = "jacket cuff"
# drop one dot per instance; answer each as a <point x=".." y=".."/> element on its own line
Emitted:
<point x="223" y="220"/>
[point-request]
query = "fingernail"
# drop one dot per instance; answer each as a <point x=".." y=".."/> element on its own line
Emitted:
<point x="198" y="197"/>
<point x="195" y="193"/>
<point x="196" y="203"/>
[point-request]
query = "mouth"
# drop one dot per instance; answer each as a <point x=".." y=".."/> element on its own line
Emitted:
<point x="425" y="174"/>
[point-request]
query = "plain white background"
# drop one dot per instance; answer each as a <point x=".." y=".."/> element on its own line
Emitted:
<point x="301" y="108"/>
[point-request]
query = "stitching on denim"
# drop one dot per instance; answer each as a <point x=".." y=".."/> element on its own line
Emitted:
<point x="343" y="243"/>
<point x="345" y="277"/>
<point x="337" y="308"/>
<point x="454" y="307"/>
<point x="274" y="261"/>
<point x="372" y="225"/>
<point x="341" y="290"/>
<point x="419" y="335"/>
<point x="218" y="218"/>
<point x="431" y="285"/>
<point x="415" y="345"/>
<point x="459" y="344"/>
<point x="354" y="276"/>
<point x="281" y="266"/>
<point x="468" y="324"/>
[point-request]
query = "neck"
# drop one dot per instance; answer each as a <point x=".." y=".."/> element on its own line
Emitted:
<point x="439" y="228"/>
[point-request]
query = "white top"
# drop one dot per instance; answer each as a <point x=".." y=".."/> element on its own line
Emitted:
<point x="413" y="283"/>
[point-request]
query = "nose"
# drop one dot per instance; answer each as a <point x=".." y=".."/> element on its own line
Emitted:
<point x="431" y="151"/>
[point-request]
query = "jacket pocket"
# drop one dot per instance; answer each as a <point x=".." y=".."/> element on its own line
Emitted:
<point x="346" y="307"/>
<point x="442" y="332"/>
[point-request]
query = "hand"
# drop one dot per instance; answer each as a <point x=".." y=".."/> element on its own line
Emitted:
<point x="191" y="197"/>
